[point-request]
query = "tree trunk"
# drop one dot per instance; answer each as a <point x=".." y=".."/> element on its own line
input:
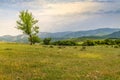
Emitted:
<point x="31" y="42"/>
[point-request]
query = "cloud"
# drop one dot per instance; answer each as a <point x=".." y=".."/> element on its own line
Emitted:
<point x="57" y="15"/>
<point x="62" y="9"/>
<point x="47" y="7"/>
<point x="69" y="8"/>
<point x="61" y="15"/>
<point x="101" y="0"/>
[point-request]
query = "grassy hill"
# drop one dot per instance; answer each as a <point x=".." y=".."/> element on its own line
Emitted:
<point x="39" y="62"/>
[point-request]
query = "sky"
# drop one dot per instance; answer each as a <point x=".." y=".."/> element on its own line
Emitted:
<point x="61" y="15"/>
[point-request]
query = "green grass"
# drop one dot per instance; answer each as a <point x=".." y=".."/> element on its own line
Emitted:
<point x="38" y="62"/>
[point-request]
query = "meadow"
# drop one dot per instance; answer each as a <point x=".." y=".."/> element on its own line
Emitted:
<point x="40" y="62"/>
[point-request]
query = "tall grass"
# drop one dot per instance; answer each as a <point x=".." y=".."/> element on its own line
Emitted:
<point x="37" y="62"/>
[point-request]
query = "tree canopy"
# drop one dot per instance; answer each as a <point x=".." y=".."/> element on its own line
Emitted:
<point x="27" y="24"/>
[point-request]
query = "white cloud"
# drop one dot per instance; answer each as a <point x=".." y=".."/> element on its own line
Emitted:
<point x="67" y="8"/>
<point x="60" y="16"/>
<point x="54" y="16"/>
<point x="61" y="9"/>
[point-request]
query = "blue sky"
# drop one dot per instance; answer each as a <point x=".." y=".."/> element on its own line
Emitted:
<point x="61" y="15"/>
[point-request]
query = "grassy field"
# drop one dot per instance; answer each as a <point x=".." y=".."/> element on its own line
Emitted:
<point x="39" y="62"/>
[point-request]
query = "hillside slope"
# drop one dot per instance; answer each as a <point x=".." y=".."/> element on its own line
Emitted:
<point x="98" y="33"/>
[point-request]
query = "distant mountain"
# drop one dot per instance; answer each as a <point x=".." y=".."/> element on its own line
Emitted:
<point x="98" y="33"/>
<point x="114" y="35"/>
<point x="19" y="38"/>
<point x="6" y="38"/>
<point x="53" y="35"/>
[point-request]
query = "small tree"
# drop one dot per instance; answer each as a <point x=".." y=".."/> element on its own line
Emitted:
<point x="27" y="24"/>
<point x="47" y="41"/>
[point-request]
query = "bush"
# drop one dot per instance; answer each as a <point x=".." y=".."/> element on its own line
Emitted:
<point x="89" y="43"/>
<point x="47" y="41"/>
<point x="65" y="43"/>
<point x="117" y="41"/>
<point x="101" y="42"/>
<point x="35" y="39"/>
<point x="109" y="42"/>
<point x="116" y="46"/>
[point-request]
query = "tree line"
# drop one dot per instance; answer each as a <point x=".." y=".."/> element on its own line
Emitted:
<point x="101" y="42"/>
<point x="47" y="41"/>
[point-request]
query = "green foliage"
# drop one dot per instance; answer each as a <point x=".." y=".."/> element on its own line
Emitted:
<point x="27" y="24"/>
<point x="65" y="42"/>
<point x="35" y="39"/>
<point x="117" y="41"/>
<point x="88" y="43"/>
<point x="111" y="41"/>
<point x="102" y="42"/>
<point x="108" y="42"/>
<point x="47" y="41"/>
<point x="116" y="46"/>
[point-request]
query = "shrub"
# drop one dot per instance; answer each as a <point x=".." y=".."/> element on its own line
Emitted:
<point x="65" y="43"/>
<point x="88" y="43"/>
<point x="109" y="42"/>
<point x="35" y="39"/>
<point x="117" y="41"/>
<point x="47" y="41"/>
<point x="116" y="46"/>
<point x="101" y="42"/>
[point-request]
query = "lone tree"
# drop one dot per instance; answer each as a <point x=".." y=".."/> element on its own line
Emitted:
<point x="27" y="23"/>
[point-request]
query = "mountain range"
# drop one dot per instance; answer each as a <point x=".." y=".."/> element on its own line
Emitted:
<point x="101" y="32"/>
